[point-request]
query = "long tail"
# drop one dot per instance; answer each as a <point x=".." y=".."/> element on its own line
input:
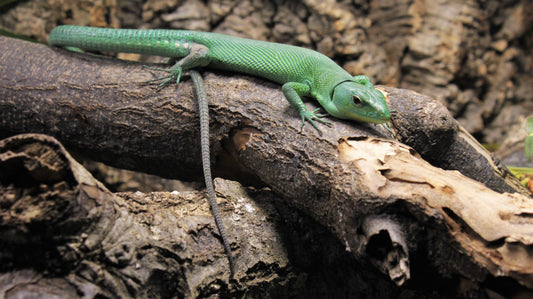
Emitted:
<point x="161" y="42"/>
<point x="206" y="163"/>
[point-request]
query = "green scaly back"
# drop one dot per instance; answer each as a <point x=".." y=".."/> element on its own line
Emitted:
<point x="303" y="72"/>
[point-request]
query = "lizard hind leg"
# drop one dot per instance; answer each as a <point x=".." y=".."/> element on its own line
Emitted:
<point x="196" y="55"/>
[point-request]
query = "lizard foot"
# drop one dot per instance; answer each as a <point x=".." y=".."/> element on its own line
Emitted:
<point x="311" y="116"/>
<point x="389" y="129"/>
<point x="174" y="73"/>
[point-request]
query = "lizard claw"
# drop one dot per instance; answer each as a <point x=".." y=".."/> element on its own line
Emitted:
<point x="311" y="116"/>
<point x="389" y="129"/>
<point x="320" y="115"/>
<point x="174" y="73"/>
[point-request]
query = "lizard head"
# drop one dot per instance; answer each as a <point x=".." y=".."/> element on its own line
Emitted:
<point x="361" y="102"/>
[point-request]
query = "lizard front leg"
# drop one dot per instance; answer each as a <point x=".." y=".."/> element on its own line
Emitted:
<point x="293" y="92"/>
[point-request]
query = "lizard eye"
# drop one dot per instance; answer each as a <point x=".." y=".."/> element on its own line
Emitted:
<point x="356" y="100"/>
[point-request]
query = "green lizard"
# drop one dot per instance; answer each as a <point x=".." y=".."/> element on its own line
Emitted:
<point x="302" y="72"/>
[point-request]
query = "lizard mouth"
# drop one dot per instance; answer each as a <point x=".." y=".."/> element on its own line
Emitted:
<point x="378" y="119"/>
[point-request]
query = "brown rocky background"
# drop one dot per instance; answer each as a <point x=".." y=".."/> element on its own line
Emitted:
<point x="473" y="56"/>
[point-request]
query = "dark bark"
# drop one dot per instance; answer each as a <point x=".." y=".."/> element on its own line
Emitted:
<point x="63" y="233"/>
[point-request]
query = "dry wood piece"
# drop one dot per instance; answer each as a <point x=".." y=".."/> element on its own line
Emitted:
<point x="494" y="229"/>
<point x="380" y="199"/>
<point x="56" y="217"/>
<point x="79" y="239"/>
